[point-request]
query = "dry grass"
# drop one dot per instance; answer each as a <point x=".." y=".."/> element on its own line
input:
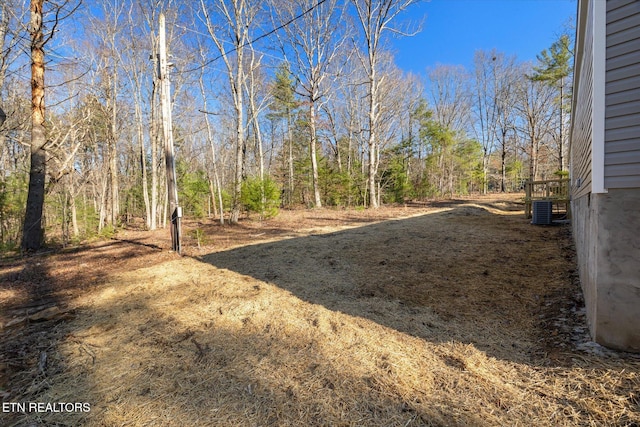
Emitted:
<point x="457" y="314"/>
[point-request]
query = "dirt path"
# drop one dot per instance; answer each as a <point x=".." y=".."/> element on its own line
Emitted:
<point x="452" y="313"/>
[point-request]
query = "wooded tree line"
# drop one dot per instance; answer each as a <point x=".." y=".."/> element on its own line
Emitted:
<point x="275" y="104"/>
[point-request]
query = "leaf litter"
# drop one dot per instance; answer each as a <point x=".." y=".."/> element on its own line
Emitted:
<point x="454" y="313"/>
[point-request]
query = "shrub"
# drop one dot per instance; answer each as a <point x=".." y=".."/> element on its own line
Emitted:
<point x="200" y="236"/>
<point x="261" y="196"/>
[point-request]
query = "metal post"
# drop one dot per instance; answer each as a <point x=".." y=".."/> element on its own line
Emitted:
<point x="165" y="101"/>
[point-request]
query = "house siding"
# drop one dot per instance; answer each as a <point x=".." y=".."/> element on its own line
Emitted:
<point x="582" y="129"/>
<point x="605" y="158"/>
<point x="622" y="95"/>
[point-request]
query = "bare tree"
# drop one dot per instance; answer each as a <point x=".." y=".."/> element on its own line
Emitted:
<point x="258" y="100"/>
<point x="228" y="24"/>
<point x="485" y="98"/>
<point x="10" y="12"/>
<point x="4" y="30"/>
<point x="411" y="92"/>
<point x="535" y="107"/>
<point x="351" y="107"/>
<point x="376" y="18"/>
<point x="108" y="65"/>
<point x="450" y="96"/>
<point x="507" y="76"/>
<point x="216" y="175"/>
<point x="135" y="66"/>
<point x="9" y="38"/>
<point x="315" y="39"/>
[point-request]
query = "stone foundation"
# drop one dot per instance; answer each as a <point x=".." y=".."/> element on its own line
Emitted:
<point x="606" y="229"/>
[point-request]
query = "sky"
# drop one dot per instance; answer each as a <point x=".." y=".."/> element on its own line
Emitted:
<point x="452" y="30"/>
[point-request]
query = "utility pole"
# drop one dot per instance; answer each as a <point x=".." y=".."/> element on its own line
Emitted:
<point x="167" y="128"/>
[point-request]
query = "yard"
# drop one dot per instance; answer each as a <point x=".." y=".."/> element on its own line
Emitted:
<point x="453" y="313"/>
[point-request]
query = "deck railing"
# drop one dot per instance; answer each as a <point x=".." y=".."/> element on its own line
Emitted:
<point x="556" y="190"/>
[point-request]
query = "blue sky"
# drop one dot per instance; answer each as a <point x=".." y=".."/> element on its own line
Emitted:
<point x="454" y="29"/>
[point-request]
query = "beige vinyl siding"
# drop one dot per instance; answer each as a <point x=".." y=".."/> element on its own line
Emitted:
<point x="582" y="126"/>
<point x="622" y="95"/>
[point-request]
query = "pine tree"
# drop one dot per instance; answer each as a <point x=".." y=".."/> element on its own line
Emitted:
<point x="554" y="69"/>
<point x="283" y="107"/>
<point x="32" y="231"/>
<point x="555" y="63"/>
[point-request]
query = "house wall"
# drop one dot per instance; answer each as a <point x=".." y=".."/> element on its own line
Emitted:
<point x="618" y="262"/>
<point x="609" y="266"/>
<point x="606" y="214"/>
<point x="622" y="95"/>
<point x="581" y="129"/>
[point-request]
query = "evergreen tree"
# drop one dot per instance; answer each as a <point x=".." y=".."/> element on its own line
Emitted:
<point x="554" y="69"/>
<point x="283" y="107"/>
<point x="555" y="63"/>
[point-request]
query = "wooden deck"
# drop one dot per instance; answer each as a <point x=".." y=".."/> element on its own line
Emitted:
<point x="556" y="190"/>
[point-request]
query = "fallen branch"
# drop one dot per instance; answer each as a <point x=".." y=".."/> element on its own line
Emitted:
<point x="40" y="316"/>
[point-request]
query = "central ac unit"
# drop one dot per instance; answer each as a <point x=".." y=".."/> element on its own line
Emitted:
<point x="542" y="211"/>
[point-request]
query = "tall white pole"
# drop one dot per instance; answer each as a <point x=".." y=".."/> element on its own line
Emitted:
<point x="167" y="128"/>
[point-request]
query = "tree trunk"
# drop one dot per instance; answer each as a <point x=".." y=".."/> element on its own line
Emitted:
<point x="561" y="143"/>
<point x="72" y="206"/>
<point x="145" y="185"/>
<point x="143" y="154"/>
<point x="113" y="154"/>
<point x="104" y="189"/>
<point x="212" y="200"/>
<point x="533" y="160"/>
<point x="240" y="147"/>
<point x="373" y="144"/>
<point x="503" y="162"/>
<point x="32" y="232"/>
<point x="290" y="136"/>
<point x="153" y="136"/>
<point x="216" y="176"/>
<point x="349" y="159"/>
<point x="313" y="154"/>
<point x="250" y="87"/>
<point x="238" y="15"/>
<point x="165" y="205"/>
<point x="4" y="29"/>
<point x="503" y="170"/>
<point x="485" y="172"/>
<point x="218" y="185"/>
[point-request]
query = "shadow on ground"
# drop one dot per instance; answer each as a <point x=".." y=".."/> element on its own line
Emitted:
<point x="470" y="273"/>
<point x="438" y="319"/>
<point x="37" y="307"/>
